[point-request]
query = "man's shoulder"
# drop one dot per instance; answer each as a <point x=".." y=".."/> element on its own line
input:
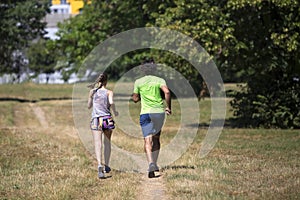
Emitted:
<point x="138" y="81"/>
<point x="158" y="79"/>
<point x="149" y="79"/>
<point x="141" y="80"/>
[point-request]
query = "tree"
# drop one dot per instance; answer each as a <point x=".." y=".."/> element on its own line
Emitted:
<point x="41" y="58"/>
<point x="207" y="23"/>
<point x="252" y="41"/>
<point x="97" y="22"/>
<point x="100" y="20"/>
<point x="21" y="21"/>
<point x="269" y="31"/>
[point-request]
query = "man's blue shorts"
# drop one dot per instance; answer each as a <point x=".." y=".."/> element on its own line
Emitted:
<point x="152" y="123"/>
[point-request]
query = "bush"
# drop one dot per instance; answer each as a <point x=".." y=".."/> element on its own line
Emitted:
<point x="268" y="103"/>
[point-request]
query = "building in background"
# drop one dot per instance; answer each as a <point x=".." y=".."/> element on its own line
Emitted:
<point x="74" y="6"/>
<point x="60" y="11"/>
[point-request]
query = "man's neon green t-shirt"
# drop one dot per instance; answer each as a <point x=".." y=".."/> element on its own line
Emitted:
<point x="148" y="87"/>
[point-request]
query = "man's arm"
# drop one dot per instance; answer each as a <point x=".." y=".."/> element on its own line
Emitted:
<point x="136" y="97"/>
<point x="167" y="93"/>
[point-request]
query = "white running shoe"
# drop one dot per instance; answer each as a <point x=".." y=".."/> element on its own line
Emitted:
<point x="100" y="172"/>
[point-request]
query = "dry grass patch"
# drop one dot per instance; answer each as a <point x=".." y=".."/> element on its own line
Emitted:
<point x="6" y="113"/>
<point x="245" y="164"/>
<point x="51" y="163"/>
<point x="39" y="162"/>
<point x="39" y="166"/>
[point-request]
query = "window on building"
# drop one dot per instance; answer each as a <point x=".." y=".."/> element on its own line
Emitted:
<point x="63" y="1"/>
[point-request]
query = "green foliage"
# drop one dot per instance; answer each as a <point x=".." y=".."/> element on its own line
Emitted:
<point x="270" y="58"/>
<point x="270" y="103"/>
<point x="251" y="41"/>
<point x="97" y="22"/>
<point x="277" y="107"/>
<point x="41" y="58"/>
<point x="204" y="21"/>
<point x="20" y="22"/>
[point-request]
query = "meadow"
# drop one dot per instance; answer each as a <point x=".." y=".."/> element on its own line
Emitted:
<point x="42" y="156"/>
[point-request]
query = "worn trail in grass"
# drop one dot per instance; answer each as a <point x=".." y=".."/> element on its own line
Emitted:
<point x="152" y="189"/>
<point x="43" y="158"/>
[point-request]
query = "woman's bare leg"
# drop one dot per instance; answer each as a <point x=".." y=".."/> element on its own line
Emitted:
<point x="98" y="145"/>
<point x="107" y="146"/>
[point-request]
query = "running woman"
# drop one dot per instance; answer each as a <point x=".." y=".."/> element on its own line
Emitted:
<point x="101" y="101"/>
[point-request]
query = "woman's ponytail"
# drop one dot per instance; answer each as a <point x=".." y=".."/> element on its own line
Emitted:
<point x="99" y="82"/>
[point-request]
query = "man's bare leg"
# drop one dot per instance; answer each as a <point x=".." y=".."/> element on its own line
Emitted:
<point x="148" y="148"/>
<point x="155" y="149"/>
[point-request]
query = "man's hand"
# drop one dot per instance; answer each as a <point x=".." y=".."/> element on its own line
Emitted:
<point x="168" y="111"/>
<point x="136" y="97"/>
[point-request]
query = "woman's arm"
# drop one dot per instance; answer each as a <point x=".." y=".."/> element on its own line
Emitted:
<point x="111" y="102"/>
<point x="90" y="99"/>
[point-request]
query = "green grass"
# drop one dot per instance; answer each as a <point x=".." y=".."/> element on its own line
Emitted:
<point x="35" y="92"/>
<point x="7" y="113"/>
<point x="51" y="163"/>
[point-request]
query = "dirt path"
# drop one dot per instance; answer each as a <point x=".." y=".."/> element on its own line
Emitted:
<point x="39" y="113"/>
<point x="152" y="188"/>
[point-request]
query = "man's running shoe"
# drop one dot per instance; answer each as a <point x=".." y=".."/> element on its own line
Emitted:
<point x="100" y="172"/>
<point x="151" y="170"/>
<point x="156" y="168"/>
<point x="106" y="169"/>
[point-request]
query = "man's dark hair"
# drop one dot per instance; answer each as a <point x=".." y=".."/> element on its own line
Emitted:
<point x="148" y="66"/>
<point x="148" y="60"/>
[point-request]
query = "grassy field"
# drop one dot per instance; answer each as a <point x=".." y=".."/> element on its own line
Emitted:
<point x="43" y="158"/>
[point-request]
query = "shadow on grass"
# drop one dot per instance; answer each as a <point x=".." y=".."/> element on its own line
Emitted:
<point x="106" y="177"/>
<point x="156" y="176"/>
<point x="22" y="100"/>
<point x="217" y="123"/>
<point x="17" y="99"/>
<point x="177" y="167"/>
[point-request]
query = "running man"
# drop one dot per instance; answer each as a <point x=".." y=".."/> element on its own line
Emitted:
<point x="147" y="90"/>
